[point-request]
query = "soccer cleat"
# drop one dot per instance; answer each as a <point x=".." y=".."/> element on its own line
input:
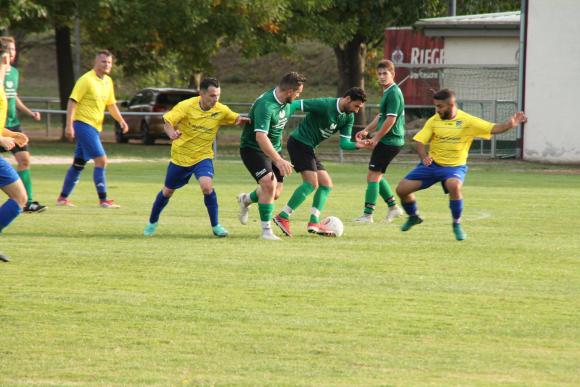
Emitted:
<point x="150" y="229"/>
<point x="244" y="210"/>
<point x="268" y="235"/>
<point x="4" y="258"/>
<point x="219" y="231"/>
<point x="319" y="229"/>
<point x="108" y="203"/>
<point x="365" y="218"/>
<point x="64" y="202"/>
<point x="284" y="225"/>
<point x="411" y="221"/>
<point x="460" y="235"/>
<point x="394" y="212"/>
<point x="34" y="207"/>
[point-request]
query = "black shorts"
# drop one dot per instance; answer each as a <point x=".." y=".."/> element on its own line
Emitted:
<point x="303" y="157"/>
<point x="16" y="148"/>
<point x="382" y="157"/>
<point x="259" y="165"/>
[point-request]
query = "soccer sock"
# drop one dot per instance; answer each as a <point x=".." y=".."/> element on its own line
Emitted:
<point x="211" y="204"/>
<point x="456" y="207"/>
<point x="410" y="208"/>
<point x="25" y="177"/>
<point x="386" y="192"/>
<point x="371" y="197"/>
<point x="253" y="196"/>
<point x="70" y="181"/>
<point x="9" y="210"/>
<point x="318" y="203"/>
<point x="100" y="182"/>
<point x="158" y="206"/>
<point x="265" y="210"/>
<point x="297" y="198"/>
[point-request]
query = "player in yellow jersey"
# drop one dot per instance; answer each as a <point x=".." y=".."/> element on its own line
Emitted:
<point x="92" y="94"/>
<point x="449" y="134"/>
<point x="192" y="125"/>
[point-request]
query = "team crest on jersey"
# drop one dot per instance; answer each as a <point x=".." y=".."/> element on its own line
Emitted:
<point x="458" y="123"/>
<point x="282" y="113"/>
<point x="9" y="84"/>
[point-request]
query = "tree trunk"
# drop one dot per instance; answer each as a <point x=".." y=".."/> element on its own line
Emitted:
<point x="195" y="80"/>
<point x="351" y="60"/>
<point x="64" y="62"/>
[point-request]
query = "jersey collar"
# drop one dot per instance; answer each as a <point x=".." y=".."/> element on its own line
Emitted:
<point x="276" y="98"/>
<point x="388" y="88"/>
<point x="338" y="107"/>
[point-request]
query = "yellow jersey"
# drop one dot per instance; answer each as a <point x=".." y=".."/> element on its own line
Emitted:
<point x="198" y="130"/>
<point x="3" y="108"/>
<point x="93" y="95"/>
<point x="449" y="140"/>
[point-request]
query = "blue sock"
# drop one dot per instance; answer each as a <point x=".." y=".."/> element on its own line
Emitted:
<point x="100" y="182"/>
<point x="8" y="212"/>
<point x="211" y="203"/>
<point x="158" y="206"/>
<point x="456" y="209"/>
<point x="70" y="181"/>
<point x="410" y="208"/>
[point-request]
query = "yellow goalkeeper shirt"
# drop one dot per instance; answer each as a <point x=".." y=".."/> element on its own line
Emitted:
<point x="198" y="130"/>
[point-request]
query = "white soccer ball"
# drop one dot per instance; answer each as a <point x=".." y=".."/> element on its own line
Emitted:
<point x="333" y="224"/>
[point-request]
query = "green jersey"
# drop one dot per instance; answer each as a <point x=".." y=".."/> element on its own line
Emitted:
<point x="324" y="118"/>
<point x="393" y="104"/>
<point x="11" y="80"/>
<point x="267" y="115"/>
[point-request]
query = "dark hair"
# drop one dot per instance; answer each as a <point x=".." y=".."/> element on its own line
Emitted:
<point x="106" y="53"/>
<point x="386" y="64"/>
<point x="443" y="95"/>
<point x="207" y="82"/>
<point x="356" y="94"/>
<point x="292" y="81"/>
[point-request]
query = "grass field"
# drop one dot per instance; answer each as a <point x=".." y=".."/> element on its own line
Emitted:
<point x="88" y="300"/>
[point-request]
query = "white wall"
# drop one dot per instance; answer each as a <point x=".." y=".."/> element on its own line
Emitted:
<point x="481" y="50"/>
<point x="552" y="100"/>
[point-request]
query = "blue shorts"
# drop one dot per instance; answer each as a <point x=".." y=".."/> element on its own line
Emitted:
<point x="436" y="173"/>
<point x="178" y="176"/>
<point x="89" y="144"/>
<point x="8" y="174"/>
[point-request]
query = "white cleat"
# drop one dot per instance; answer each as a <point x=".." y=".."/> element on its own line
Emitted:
<point x="269" y="235"/>
<point x="365" y="218"/>
<point x="394" y="212"/>
<point x="244" y="210"/>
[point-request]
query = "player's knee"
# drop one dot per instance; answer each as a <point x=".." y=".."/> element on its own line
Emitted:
<point x="101" y="162"/>
<point x="79" y="163"/>
<point x="168" y="192"/>
<point x="206" y="190"/>
<point x="23" y="163"/>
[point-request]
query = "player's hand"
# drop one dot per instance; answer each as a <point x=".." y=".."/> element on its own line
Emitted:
<point x="124" y="126"/>
<point x="427" y="161"/>
<point x="363" y="134"/>
<point x="284" y="166"/>
<point x="20" y="139"/>
<point x="6" y="142"/>
<point x="243" y="120"/>
<point x="69" y="133"/>
<point x="36" y="116"/>
<point x="174" y="135"/>
<point x="518" y="118"/>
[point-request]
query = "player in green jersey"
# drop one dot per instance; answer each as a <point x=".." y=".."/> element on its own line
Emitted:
<point x="21" y="154"/>
<point x="260" y="147"/>
<point x="325" y="117"/>
<point x="387" y="143"/>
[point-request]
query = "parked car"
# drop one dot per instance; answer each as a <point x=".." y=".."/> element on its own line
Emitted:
<point x="156" y="100"/>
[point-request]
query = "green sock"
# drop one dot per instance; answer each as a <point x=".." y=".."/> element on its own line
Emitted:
<point x="25" y="177"/>
<point x="386" y="192"/>
<point x="298" y="197"/>
<point x="254" y="196"/>
<point x="265" y="210"/>
<point x="318" y="203"/>
<point x="371" y="197"/>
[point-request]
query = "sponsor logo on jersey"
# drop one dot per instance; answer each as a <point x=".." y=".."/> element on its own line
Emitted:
<point x="282" y="114"/>
<point x="458" y="123"/>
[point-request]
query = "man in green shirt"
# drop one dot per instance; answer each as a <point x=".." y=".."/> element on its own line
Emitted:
<point x="260" y="147"/>
<point x="387" y="143"/>
<point x="325" y="117"/>
<point x="21" y="154"/>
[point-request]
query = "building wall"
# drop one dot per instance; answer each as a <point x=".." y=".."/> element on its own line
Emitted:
<point x="481" y="50"/>
<point x="552" y="82"/>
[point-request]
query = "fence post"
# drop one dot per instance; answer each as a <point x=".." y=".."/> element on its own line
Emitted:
<point x="47" y="119"/>
<point x="494" y="119"/>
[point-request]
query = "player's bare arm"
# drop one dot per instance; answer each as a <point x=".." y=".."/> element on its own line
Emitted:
<point x="265" y="144"/>
<point x="116" y="114"/>
<point x="423" y="155"/>
<point x="20" y="139"/>
<point x="371" y="127"/>
<point x="242" y="120"/>
<point x="385" y="128"/>
<point x="71" y="108"/>
<point x="23" y="108"/>
<point x="512" y="122"/>
<point x="171" y="132"/>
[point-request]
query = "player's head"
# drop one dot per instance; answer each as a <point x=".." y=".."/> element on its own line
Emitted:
<point x="385" y="72"/>
<point x="209" y="92"/>
<point x="444" y="101"/>
<point x="9" y="46"/>
<point x="291" y="85"/>
<point x="103" y="62"/>
<point x="353" y="100"/>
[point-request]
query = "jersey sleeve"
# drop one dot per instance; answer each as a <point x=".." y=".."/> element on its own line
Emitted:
<point x="262" y="116"/>
<point x="296" y="105"/>
<point x="80" y="89"/>
<point x="111" y="100"/>
<point x="480" y="128"/>
<point x="229" y="117"/>
<point x="393" y="104"/>
<point x="425" y="134"/>
<point x="175" y="115"/>
<point x="314" y="105"/>
<point x="346" y="128"/>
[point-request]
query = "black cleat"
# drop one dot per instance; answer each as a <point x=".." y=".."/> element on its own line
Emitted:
<point x="4" y="258"/>
<point x="34" y="207"/>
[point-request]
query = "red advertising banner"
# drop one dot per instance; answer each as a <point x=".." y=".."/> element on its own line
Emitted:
<point x="407" y="46"/>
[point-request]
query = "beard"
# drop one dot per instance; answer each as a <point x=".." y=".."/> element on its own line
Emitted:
<point x="445" y="115"/>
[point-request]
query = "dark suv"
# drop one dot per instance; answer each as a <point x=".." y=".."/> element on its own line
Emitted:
<point x="148" y="128"/>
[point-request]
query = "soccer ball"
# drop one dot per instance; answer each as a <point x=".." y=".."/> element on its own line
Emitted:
<point x="333" y="224"/>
